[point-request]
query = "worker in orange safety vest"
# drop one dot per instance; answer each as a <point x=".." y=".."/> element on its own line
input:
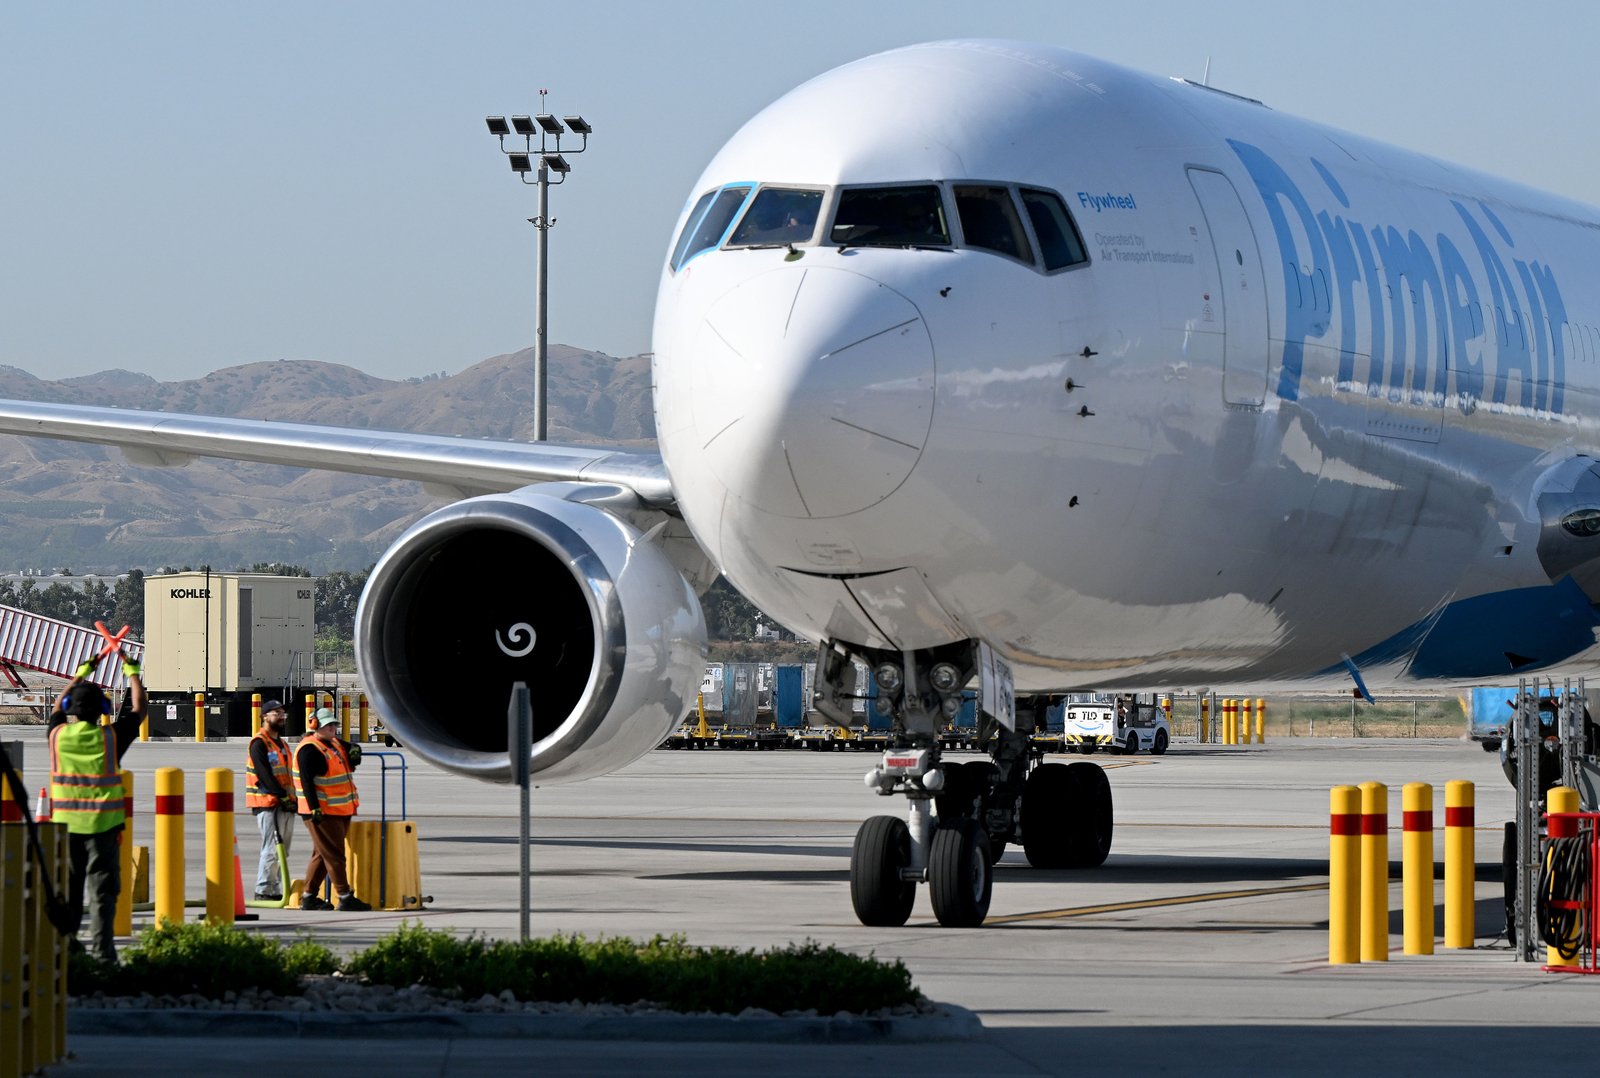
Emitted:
<point x="326" y="790"/>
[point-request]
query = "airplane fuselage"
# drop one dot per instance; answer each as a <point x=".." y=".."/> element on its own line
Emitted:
<point x="1305" y="399"/>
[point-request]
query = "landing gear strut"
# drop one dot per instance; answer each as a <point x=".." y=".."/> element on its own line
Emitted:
<point x="960" y="815"/>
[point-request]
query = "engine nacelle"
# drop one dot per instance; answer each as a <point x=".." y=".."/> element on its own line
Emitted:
<point x="540" y="586"/>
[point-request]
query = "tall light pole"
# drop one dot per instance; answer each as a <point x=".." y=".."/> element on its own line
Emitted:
<point x="550" y="159"/>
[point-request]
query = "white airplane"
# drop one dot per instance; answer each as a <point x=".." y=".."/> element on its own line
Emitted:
<point x="984" y="354"/>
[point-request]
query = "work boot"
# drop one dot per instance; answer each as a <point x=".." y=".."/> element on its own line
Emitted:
<point x="312" y="902"/>
<point x="352" y="904"/>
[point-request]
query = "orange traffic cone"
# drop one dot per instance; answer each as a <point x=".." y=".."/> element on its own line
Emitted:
<point x="42" y="813"/>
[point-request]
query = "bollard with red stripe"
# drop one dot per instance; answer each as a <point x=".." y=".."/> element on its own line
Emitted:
<point x="122" y="923"/>
<point x="168" y="867"/>
<point x="1344" y="875"/>
<point x="10" y="802"/>
<point x="1460" y="868"/>
<point x="219" y="845"/>
<point x="1416" y="867"/>
<point x="1374" y="872"/>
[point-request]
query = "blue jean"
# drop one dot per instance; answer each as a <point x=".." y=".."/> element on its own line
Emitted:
<point x="269" y="881"/>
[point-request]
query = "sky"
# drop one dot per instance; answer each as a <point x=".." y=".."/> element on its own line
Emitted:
<point x="188" y="186"/>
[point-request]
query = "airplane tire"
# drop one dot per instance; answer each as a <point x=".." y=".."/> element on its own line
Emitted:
<point x="1090" y="809"/>
<point x="880" y="897"/>
<point x="1159" y="745"/>
<point x="1508" y="869"/>
<point x="955" y="800"/>
<point x="1046" y="815"/>
<point x="959" y="880"/>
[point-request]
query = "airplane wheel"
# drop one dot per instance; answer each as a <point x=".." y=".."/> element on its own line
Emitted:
<point x="1046" y="819"/>
<point x="959" y="881"/>
<point x="1159" y="745"/>
<point x="882" y="849"/>
<point x="1132" y="746"/>
<point x="1090" y="808"/>
<point x="1508" y="869"/>
<point x="955" y="801"/>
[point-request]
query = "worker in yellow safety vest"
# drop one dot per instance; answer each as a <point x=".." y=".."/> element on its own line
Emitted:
<point x="86" y="794"/>
<point x="326" y="791"/>
<point x="269" y="795"/>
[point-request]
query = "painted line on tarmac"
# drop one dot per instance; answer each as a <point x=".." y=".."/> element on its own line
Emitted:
<point x="1152" y="903"/>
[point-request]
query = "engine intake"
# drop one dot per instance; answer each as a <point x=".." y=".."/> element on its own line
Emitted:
<point x="539" y="586"/>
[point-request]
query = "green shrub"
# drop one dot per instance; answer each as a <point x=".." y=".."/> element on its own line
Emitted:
<point x="305" y="956"/>
<point x="202" y="959"/>
<point x="664" y="970"/>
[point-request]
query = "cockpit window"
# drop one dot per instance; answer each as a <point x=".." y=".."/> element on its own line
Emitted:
<point x="708" y="221"/>
<point x="890" y="217"/>
<point x="989" y="220"/>
<point x="778" y="215"/>
<point x="1059" y="241"/>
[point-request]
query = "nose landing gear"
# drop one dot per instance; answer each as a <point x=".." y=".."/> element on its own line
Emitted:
<point x="960" y="815"/>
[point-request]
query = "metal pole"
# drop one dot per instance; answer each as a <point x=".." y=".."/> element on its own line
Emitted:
<point x="541" y="283"/>
<point x="519" y="742"/>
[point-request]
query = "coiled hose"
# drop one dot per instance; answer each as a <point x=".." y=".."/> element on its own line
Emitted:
<point x="1563" y="905"/>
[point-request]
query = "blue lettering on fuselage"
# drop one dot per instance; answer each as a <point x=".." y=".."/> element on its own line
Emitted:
<point x="1107" y="201"/>
<point x="1461" y="328"/>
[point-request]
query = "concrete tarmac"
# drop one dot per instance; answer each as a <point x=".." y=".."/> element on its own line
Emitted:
<point x="1199" y="947"/>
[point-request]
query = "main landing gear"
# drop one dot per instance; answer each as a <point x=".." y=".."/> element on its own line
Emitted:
<point x="960" y="815"/>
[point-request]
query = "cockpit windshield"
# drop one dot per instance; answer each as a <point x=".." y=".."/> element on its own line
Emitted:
<point x="778" y="216"/>
<point x="1029" y="225"/>
<point x="708" y="222"/>
<point x="890" y="217"/>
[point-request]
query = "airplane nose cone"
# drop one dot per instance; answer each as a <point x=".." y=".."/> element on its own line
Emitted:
<point x="817" y="391"/>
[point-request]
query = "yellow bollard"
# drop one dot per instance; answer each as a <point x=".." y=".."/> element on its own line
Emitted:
<point x="1205" y="720"/>
<point x="1230" y="721"/>
<point x="1244" y="721"/>
<point x="362" y="714"/>
<point x="311" y="707"/>
<point x="1416" y="868"/>
<point x="1344" y="875"/>
<point x="169" y="845"/>
<point x="1261" y="721"/>
<point x="10" y="802"/>
<point x="1166" y="710"/>
<point x="219" y="845"/>
<point x="344" y="716"/>
<point x="1374" y="872"/>
<point x="1460" y="869"/>
<point x="255" y="714"/>
<point x="122" y="923"/>
<point x="1563" y="799"/>
<point x="199" y="716"/>
<point x="144" y="729"/>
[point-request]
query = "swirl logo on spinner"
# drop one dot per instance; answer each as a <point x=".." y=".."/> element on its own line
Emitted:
<point x="517" y="632"/>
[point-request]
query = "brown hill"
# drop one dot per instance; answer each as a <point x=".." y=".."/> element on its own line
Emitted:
<point x="85" y="507"/>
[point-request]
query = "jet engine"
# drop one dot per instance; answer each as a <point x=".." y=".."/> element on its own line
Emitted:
<point x="556" y="585"/>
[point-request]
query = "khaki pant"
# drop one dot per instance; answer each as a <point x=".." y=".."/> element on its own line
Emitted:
<point x="327" y="853"/>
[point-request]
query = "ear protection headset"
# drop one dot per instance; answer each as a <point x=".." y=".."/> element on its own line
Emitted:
<point x="65" y="704"/>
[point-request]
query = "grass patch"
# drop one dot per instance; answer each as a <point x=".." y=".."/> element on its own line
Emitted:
<point x="664" y="970"/>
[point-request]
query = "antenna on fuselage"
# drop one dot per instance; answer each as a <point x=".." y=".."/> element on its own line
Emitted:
<point x="1205" y="80"/>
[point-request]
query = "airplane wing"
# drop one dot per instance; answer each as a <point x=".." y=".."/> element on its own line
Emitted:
<point x="468" y="465"/>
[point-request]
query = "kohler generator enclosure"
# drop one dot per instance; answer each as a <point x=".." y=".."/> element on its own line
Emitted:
<point x="226" y="635"/>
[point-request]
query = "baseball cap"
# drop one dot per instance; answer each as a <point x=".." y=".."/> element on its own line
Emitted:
<point x="323" y="714"/>
<point x="271" y="705"/>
